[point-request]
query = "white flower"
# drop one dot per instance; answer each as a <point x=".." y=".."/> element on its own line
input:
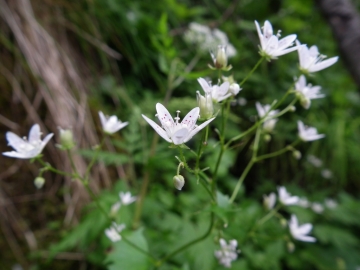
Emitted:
<point x="111" y="124"/>
<point x="270" y="45"/>
<point x="286" y="198"/>
<point x="308" y="134"/>
<point x="326" y="173"/>
<point x="27" y="148"/>
<point x="311" y="60"/>
<point x="317" y="207"/>
<point x="263" y="111"/>
<point x="269" y="200"/>
<point x="220" y="59"/>
<point x="218" y="93"/>
<point x="126" y="198"/>
<point x="227" y="253"/>
<point x="300" y="232"/>
<point x="113" y="233"/>
<point x="303" y="202"/>
<point x="307" y="92"/>
<point x="173" y="131"/>
<point x="330" y="203"/>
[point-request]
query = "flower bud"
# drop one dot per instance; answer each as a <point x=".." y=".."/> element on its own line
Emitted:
<point x="290" y="247"/>
<point x="39" y="182"/>
<point x="205" y="104"/>
<point x="179" y="181"/>
<point x="292" y="109"/>
<point x="296" y="154"/>
<point x="267" y="137"/>
<point x="283" y="222"/>
<point x="234" y="88"/>
<point x="221" y="57"/>
<point x="66" y="138"/>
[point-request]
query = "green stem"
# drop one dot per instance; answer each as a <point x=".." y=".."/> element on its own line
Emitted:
<point x="204" y="183"/>
<point x="268" y="216"/>
<point x="277" y="153"/>
<point x="252" y="71"/>
<point x="180" y="249"/>
<point x="248" y="167"/>
<point x="91" y="164"/>
<point x="47" y="166"/>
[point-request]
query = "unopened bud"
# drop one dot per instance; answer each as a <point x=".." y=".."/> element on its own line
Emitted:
<point x="179" y="181"/>
<point x="205" y="104"/>
<point x="221" y="57"/>
<point x="234" y="89"/>
<point x="290" y="247"/>
<point x="267" y="137"/>
<point x="292" y="109"/>
<point x="39" y="182"/>
<point x="283" y="222"/>
<point x="66" y="138"/>
<point x="297" y="154"/>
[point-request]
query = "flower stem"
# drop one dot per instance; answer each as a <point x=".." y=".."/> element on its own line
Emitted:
<point x="252" y="71"/>
<point x="91" y="164"/>
<point x="248" y="167"/>
<point x="277" y="153"/>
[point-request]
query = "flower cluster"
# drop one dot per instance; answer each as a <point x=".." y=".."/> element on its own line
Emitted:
<point x="227" y="253"/>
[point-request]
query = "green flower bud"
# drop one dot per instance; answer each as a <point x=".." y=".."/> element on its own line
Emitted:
<point x="39" y="182"/>
<point x="296" y="154"/>
<point x="205" y="104"/>
<point x="66" y="138"/>
<point x="179" y="181"/>
<point x="290" y="247"/>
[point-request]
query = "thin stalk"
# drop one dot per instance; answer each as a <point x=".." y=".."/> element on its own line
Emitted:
<point x="277" y="153"/>
<point x="252" y="71"/>
<point x="92" y="162"/>
<point x="268" y="216"/>
<point x="52" y="169"/>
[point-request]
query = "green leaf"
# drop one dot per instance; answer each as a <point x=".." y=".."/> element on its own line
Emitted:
<point x="125" y="257"/>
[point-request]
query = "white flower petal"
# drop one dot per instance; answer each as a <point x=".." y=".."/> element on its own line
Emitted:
<point x="191" y="118"/>
<point x="157" y="128"/>
<point x="34" y="134"/>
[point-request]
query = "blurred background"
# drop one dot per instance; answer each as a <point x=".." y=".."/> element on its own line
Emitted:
<point x="62" y="61"/>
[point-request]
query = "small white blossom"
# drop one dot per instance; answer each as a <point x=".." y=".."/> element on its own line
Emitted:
<point x="227" y="253"/>
<point x="113" y="233"/>
<point x="263" y="111"/>
<point x="307" y="92"/>
<point x="330" y="203"/>
<point x="316" y="162"/>
<point x="111" y="124"/>
<point x="126" y="198"/>
<point x="317" y="207"/>
<point x="286" y="198"/>
<point x="218" y="93"/>
<point x="311" y="60"/>
<point x="303" y="202"/>
<point x="308" y="134"/>
<point x="326" y="173"/>
<point x="173" y="131"/>
<point x="27" y="148"/>
<point x="269" y="200"/>
<point x="270" y="45"/>
<point x="300" y="232"/>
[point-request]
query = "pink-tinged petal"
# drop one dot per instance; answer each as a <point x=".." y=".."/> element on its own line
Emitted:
<point x="323" y="64"/>
<point x="304" y="229"/>
<point x="102" y="119"/>
<point x="45" y="141"/>
<point x="260" y="34"/>
<point x="223" y="88"/>
<point x="164" y="115"/>
<point x="282" y="52"/>
<point x="14" y="154"/>
<point x="179" y="135"/>
<point x="197" y="129"/>
<point x="268" y="30"/>
<point x="15" y="141"/>
<point x="286" y="41"/>
<point x="204" y="85"/>
<point x="191" y="118"/>
<point x="157" y="128"/>
<point x="301" y="83"/>
<point x="34" y="134"/>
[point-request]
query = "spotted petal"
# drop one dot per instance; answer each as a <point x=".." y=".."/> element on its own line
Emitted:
<point x="157" y="128"/>
<point x="191" y="118"/>
<point x="164" y="115"/>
